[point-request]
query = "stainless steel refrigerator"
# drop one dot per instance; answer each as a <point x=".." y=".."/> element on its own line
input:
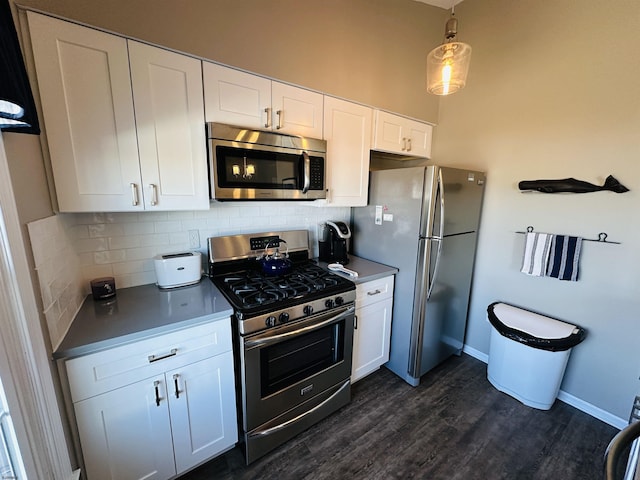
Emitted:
<point x="424" y="221"/>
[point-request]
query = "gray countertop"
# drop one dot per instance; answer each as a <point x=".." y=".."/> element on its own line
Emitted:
<point x="367" y="269"/>
<point x="141" y="312"/>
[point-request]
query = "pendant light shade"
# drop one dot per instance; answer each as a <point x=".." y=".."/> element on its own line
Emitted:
<point x="448" y="64"/>
<point x="17" y="108"/>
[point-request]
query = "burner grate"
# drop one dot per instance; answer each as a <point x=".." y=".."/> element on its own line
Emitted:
<point x="251" y="289"/>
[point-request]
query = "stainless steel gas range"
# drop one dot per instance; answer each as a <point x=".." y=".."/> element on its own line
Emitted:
<point x="294" y="326"/>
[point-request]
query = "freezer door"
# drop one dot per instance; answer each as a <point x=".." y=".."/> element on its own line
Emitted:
<point x="462" y="192"/>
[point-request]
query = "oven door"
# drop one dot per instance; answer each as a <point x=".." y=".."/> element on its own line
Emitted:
<point x="285" y="367"/>
<point x="245" y="171"/>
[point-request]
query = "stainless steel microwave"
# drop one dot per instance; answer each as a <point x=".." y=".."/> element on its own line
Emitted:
<point x="258" y="165"/>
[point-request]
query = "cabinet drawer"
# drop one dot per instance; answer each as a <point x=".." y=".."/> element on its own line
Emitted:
<point x="374" y="291"/>
<point x="103" y="371"/>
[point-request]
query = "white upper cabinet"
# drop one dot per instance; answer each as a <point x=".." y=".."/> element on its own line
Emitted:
<point x="246" y="100"/>
<point x="347" y="130"/>
<point x="397" y="134"/>
<point x="85" y="83"/>
<point x="167" y="90"/>
<point x="235" y="97"/>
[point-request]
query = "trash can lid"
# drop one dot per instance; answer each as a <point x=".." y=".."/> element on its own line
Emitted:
<point x="533" y="329"/>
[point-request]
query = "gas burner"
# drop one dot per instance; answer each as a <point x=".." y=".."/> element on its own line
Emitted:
<point x="252" y="290"/>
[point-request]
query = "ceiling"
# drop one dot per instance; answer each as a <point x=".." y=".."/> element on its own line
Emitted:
<point x="446" y="4"/>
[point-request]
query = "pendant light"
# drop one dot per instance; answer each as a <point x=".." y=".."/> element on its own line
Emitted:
<point x="448" y="64"/>
<point x="17" y="108"/>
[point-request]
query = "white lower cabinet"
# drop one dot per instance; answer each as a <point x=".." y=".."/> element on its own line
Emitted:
<point x="372" y="336"/>
<point x="180" y="414"/>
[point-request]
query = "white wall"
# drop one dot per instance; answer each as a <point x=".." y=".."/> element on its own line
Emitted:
<point x="554" y="92"/>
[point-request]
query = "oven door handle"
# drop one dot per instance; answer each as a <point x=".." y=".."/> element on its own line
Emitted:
<point x="294" y="333"/>
<point x="276" y="428"/>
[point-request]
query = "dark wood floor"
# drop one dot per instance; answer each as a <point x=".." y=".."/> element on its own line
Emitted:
<point x="455" y="425"/>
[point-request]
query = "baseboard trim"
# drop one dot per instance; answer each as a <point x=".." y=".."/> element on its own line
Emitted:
<point x="565" y="397"/>
<point x="483" y="357"/>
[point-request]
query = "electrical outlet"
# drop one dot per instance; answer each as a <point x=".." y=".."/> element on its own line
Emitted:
<point x="194" y="239"/>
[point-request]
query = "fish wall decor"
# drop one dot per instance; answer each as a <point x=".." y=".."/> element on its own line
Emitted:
<point x="571" y="185"/>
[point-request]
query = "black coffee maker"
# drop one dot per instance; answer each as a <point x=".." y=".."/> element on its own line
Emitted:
<point x="333" y="242"/>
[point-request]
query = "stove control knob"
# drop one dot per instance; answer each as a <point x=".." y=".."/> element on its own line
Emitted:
<point x="270" y="321"/>
<point x="308" y="310"/>
<point x="329" y="303"/>
<point x="339" y="301"/>
<point x="284" y="317"/>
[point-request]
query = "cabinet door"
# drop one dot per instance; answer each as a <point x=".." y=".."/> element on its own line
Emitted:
<point x="347" y="130"/>
<point x="203" y="410"/>
<point x="296" y="111"/>
<point x="419" y="135"/>
<point x="371" y="338"/>
<point x="402" y="135"/>
<point x="85" y="89"/>
<point x="125" y="435"/>
<point x="236" y="97"/>
<point x="167" y="88"/>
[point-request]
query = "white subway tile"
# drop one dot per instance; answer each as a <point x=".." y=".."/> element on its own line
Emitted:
<point x="91" y="245"/>
<point x="130" y="241"/>
<point x="167" y="227"/>
<point x="156" y="239"/>
<point x="109" y="256"/>
<point x="139" y="228"/>
<point x="105" y="230"/>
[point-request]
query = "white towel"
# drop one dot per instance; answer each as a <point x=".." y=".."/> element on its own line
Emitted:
<point x="536" y="253"/>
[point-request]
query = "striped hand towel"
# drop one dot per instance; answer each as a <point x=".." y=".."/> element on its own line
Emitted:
<point x="564" y="257"/>
<point x="536" y="253"/>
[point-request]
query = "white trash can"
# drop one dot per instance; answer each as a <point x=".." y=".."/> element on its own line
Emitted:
<point x="528" y="353"/>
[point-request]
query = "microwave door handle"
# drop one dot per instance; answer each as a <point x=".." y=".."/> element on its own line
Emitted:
<point x="307" y="172"/>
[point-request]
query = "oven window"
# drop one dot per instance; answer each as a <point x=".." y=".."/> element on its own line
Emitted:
<point x="290" y="361"/>
<point x="257" y="169"/>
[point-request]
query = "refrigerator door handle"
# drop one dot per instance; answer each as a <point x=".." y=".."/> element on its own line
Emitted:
<point x="440" y="238"/>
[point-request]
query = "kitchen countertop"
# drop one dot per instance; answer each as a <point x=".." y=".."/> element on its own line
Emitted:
<point x="367" y="269"/>
<point x="141" y="312"/>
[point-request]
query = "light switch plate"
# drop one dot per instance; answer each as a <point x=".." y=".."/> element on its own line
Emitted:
<point x="378" y="216"/>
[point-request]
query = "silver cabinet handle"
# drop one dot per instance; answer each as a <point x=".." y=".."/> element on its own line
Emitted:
<point x="154" y="358"/>
<point x="268" y="112"/>
<point x="175" y="384"/>
<point x="355" y="322"/>
<point x="154" y="194"/>
<point x="134" y="194"/>
<point x="156" y="386"/>
<point x="280" y="114"/>
<point x="375" y="292"/>
<point x="307" y="172"/>
<point x="408" y="144"/>
<point x="404" y="144"/>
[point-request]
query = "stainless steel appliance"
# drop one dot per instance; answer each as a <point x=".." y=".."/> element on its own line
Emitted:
<point x="333" y="242"/>
<point x="258" y="165"/>
<point x="293" y="336"/>
<point x="424" y="221"/>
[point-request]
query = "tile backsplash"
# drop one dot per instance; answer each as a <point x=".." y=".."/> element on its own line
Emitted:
<point x="122" y="245"/>
<point x="59" y="275"/>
